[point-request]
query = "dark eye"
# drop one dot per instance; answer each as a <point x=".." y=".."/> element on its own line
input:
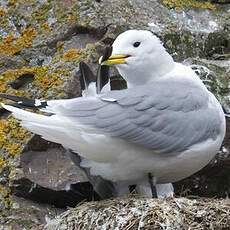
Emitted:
<point x="136" y="44"/>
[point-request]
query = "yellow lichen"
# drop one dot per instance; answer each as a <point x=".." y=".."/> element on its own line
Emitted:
<point x="71" y="55"/>
<point x="45" y="27"/>
<point x="48" y="81"/>
<point x="180" y="4"/>
<point x="44" y="78"/>
<point x="3" y="129"/>
<point x="27" y="37"/>
<point x="12" y="136"/>
<point x="2" y="163"/>
<point x="2" y="12"/>
<point x="75" y="55"/>
<point x="72" y="17"/>
<point x="13" y="149"/>
<point x="11" y="45"/>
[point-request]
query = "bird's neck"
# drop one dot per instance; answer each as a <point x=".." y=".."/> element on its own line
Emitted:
<point x="153" y="71"/>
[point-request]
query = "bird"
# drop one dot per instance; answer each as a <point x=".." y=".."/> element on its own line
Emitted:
<point x="166" y="124"/>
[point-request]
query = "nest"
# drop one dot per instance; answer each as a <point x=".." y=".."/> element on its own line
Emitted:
<point x="141" y="213"/>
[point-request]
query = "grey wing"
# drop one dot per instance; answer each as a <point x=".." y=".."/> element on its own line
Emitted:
<point x="166" y="117"/>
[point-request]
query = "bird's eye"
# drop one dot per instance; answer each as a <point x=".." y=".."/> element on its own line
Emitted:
<point x="136" y="44"/>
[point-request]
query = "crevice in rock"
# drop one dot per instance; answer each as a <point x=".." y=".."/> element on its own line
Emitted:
<point x="217" y="43"/>
<point x="77" y="29"/>
<point x="22" y="81"/>
<point x="4" y="113"/>
<point x="36" y="143"/>
<point x="60" y="198"/>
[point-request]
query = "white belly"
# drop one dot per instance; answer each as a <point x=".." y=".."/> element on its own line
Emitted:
<point x="132" y="163"/>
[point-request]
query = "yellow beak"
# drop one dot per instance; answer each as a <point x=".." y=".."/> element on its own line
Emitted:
<point x="114" y="60"/>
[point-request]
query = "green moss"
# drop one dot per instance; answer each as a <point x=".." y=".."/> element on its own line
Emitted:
<point x="180" y="4"/>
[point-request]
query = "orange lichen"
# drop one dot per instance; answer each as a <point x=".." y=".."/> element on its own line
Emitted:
<point x="13" y="149"/>
<point x="27" y="37"/>
<point x="11" y="45"/>
<point x="2" y="12"/>
<point x="44" y="78"/>
<point x="48" y="81"/>
<point x="12" y="136"/>
<point x="71" y="55"/>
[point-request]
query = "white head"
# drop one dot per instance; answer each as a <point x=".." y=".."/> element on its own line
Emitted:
<point x="139" y="57"/>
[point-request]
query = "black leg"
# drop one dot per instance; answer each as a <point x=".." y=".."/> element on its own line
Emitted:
<point x="153" y="187"/>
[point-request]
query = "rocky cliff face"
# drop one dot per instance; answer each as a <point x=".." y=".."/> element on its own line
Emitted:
<point x="41" y="44"/>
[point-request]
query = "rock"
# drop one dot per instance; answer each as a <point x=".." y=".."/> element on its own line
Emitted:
<point x="48" y="175"/>
<point x="41" y="45"/>
<point x="139" y="213"/>
<point x="26" y="214"/>
<point x="216" y="76"/>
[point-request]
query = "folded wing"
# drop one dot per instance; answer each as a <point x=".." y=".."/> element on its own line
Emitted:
<point x="166" y="117"/>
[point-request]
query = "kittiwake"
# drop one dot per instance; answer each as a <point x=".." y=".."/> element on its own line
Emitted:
<point x="166" y="123"/>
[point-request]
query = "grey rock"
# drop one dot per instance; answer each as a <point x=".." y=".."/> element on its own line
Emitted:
<point x="26" y="214"/>
<point x="215" y="75"/>
<point x="48" y="175"/>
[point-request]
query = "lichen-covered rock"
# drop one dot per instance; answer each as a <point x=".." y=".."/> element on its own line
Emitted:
<point x="36" y="62"/>
<point x="42" y="42"/>
<point x="216" y="76"/>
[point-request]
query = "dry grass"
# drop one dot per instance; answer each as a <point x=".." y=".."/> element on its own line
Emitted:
<point x="140" y="213"/>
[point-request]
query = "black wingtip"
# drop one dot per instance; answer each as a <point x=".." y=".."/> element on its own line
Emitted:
<point x="86" y="75"/>
<point x="107" y="53"/>
<point x="23" y="102"/>
<point x="103" y="70"/>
